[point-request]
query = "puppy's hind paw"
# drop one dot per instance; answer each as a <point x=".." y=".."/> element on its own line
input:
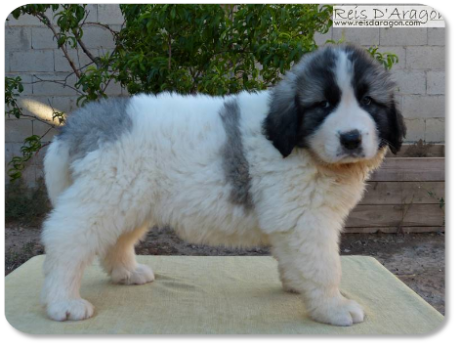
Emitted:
<point x="141" y="275"/>
<point x="339" y="312"/>
<point x="290" y="289"/>
<point x="77" y="309"/>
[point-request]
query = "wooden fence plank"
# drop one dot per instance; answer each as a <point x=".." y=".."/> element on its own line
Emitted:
<point x="367" y="215"/>
<point x="411" y="169"/>
<point x="402" y="229"/>
<point x="403" y="192"/>
<point x="427" y="150"/>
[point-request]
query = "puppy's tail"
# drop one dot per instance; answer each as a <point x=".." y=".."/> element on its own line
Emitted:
<point x="57" y="169"/>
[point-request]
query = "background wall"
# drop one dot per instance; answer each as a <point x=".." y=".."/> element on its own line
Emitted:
<point x="32" y="54"/>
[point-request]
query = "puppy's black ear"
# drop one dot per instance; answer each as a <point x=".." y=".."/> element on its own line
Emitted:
<point x="397" y="129"/>
<point x="282" y="123"/>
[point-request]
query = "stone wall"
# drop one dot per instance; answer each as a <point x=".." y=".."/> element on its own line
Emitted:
<point x="32" y="54"/>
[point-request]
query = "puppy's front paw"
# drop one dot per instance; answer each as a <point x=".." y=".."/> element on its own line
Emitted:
<point x="78" y="309"/>
<point x="141" y="275"/>
<point x="338" y="311"/>
<point x="290" y="289"/>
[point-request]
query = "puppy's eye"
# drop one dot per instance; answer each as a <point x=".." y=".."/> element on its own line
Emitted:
<point x="324" y="104"/>
<point x="366" y="101"/>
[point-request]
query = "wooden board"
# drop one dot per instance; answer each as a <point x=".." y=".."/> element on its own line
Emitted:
<point x="411" y="169"/>
<point x="388" y="215"/>
<point x="404" y="195"/>
<point x="427" y="150"/>
<point x="402" y="229"/>
<point x="403" y="192"/>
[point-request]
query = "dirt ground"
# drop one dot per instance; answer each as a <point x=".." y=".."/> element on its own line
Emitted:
<point x="417" y="259"/>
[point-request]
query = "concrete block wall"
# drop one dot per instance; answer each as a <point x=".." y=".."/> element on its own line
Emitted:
<point x="32" y="54"/>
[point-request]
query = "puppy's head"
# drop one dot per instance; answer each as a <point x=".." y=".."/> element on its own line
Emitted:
<point x="338" y="103"/>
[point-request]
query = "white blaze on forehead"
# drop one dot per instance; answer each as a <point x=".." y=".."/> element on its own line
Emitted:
<point x="343" y="75"/>
<point x="349" y="115"/>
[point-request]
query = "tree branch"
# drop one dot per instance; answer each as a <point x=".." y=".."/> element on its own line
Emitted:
<point x="85" y="49"/>
<point x="79" y="69"/>
<point x="49" y="123"/>
<point x="47" y="22"/>
<point x="169" y="52"/>
<point x="82" y="44"/>
<point x="114" y="32"/>
<point x="60" y="82"/>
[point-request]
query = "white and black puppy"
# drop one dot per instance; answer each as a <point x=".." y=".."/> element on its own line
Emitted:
<point x="282" y="167"/>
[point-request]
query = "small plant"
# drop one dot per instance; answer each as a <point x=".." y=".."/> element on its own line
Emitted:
<point x="440" y="199"/>
<point x="59" y="115"/>
<point x="337" y="42"/>
<point x="31" y="146"/>
<point x="419" y="149"/>
<point x="13" y="88"/>
<point x="441" y="203"/>
<point x="387" y="59"/>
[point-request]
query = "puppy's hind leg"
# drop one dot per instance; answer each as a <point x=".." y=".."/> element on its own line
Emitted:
<point x="120" y="260"/>
<point x="71" y="239"/>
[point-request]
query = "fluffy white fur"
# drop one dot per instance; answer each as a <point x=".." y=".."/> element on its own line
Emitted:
<point x="168" y="171"/>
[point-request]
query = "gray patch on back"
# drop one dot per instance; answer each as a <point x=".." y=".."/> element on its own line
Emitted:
<point x="235" y="164"/>
<point x="95" y="124"/>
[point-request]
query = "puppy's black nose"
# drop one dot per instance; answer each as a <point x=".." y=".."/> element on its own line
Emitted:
<point x="351" y="140"/>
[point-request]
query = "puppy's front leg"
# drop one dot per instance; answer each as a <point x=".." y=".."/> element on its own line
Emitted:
<point x="310" y="263"/>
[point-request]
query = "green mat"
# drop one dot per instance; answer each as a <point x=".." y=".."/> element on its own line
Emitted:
<point x="219" y="295"/>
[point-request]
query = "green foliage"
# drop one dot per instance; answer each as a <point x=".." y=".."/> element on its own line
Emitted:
<point x="441" y="201"/>
<point x="68" y="20"/>
<point x="59" y="115"/>
<point x="96" y="78"/>
<point x="33" y="10"/>
<point x="23" y="204"/>
<point x="31" y="146"/>
<point x="336" y="42"/>
<point x="213" y="49"/>
<point x="387" y="59"/>
<point x="92" y="80"/>
<point x="13" y="87"/>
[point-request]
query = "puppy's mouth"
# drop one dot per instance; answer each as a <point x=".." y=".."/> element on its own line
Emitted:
<point x="341" y="157"/>
<point x="344" y="155"/>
